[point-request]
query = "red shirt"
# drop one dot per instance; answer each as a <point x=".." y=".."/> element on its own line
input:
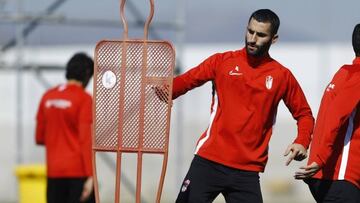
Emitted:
<point x="64" y="121"/>
<point x="336" y="140"/>
<point x="244" y="106"/>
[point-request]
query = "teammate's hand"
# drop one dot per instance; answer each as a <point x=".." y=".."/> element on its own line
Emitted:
<point x="298" y="153"/>
<point x="87" y="189"/>
<point x="307" y="171"/>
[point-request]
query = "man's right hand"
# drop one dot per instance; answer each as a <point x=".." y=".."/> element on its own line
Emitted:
<point x="162" y="92"/>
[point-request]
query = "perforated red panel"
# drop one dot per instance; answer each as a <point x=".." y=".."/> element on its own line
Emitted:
<point x="155" y="121"/>
<point x="130" y="115"/>
<point x="107" y="100"/>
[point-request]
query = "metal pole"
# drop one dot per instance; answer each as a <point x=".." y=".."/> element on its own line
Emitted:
<point x="180" y="38"/>
<point x="25" y="31"/>
<point x="19" y="84"/>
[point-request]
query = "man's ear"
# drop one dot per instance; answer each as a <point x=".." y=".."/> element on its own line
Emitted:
<point x="274" y="38"/>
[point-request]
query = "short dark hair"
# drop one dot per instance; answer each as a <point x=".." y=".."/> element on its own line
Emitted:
<point x="80" y="67"/>
<point x="267" y="16"/>
<point x="356" y="40"/>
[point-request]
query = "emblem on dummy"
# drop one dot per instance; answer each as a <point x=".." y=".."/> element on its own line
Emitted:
<point x="109" y="79"/>
<point x="268" y="82"/>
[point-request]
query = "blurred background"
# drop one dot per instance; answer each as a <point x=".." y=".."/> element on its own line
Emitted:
<point x="37" y="37"/>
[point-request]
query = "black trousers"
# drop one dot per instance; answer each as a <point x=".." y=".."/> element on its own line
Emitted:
<point x="205" y="180"/>
<point x="66" y="190"/>
<point x="340" y="191"/>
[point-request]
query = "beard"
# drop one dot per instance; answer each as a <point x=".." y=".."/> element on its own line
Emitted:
<point x="260" y="50"/>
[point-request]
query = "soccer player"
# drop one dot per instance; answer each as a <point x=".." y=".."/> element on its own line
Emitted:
<point x="247" y="87"/>
<point x="63" y="126"/>
<point x="333" y="170"/>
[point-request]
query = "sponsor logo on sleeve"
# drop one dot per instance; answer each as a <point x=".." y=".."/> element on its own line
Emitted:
<point x="330" y="87"/>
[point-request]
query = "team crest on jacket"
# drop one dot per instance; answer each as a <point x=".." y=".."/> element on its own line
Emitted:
<point x="268" y="82"/>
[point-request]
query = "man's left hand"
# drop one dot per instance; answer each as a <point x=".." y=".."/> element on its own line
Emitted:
<point x="298" y="153"/>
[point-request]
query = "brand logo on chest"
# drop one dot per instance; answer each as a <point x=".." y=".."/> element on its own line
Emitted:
<point x="236" y="71"/>
<point x="269" y="82"/>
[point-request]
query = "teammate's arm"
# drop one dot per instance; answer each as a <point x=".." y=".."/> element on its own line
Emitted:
<point x="341" y="110"/>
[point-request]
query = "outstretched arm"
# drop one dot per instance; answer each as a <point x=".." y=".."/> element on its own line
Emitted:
<point x="197" y="76"/>
<point x="189" y="80"/>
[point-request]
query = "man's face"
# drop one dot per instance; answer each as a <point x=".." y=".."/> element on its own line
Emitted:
<point x="258" y="38"/>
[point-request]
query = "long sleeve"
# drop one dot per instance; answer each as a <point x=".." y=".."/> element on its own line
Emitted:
<point x="195" y="77"/>
<point x="85" y="121"/>
<point x="339" y="111"/>
<point x="295" y="100"/>
<point x="40" y="125"/>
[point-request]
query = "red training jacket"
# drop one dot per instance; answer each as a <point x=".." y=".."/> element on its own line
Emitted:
<point x="244" y="105"/>
<point x="64" y="121"/>
<point x="336" y="140"/>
